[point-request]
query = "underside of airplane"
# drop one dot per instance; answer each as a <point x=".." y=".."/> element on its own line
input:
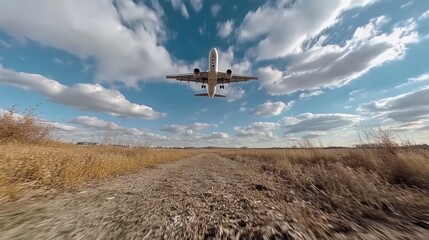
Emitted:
<point x="212" y="77"/>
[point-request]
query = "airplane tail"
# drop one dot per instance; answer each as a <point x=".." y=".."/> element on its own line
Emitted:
<point x="206" y="95"/>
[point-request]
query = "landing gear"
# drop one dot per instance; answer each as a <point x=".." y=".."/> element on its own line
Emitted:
<point x="221" y="87"/>
<point x="203" y="86"/>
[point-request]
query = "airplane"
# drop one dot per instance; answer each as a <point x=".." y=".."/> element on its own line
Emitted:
<point x="212" y="77"/>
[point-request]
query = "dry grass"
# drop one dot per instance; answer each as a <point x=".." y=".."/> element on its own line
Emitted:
<point x="64" y="165"/>
<point x="25" y="128"/>
<point x="28" y="159"/>
<point x="385" y="185"/>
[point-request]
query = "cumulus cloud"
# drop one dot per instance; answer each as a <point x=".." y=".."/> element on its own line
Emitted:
<point x="224" y="29"/>
<point x="201" y="126"/>
<point x="269" y="109"/>
<point x="97" y="130"/>
<point x="83" y="96"/>
<point x="261" y="129"/>
<point x="228" y="61"/>
<point x="408" y="107"/>
<point x="216" y="135"/>
<point x="174" y="128"/>
<point x="122" y="37"/>
<point x="332" y="66"/>
<point x="317" y="122"/>
<point x="215" y="9"/>
<point x="291" y="24"/>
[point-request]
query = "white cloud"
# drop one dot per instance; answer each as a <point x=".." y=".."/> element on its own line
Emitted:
<point x="310" y="94"/>
<point x="332" y="66"/>
<point x="224" y="29"/>
<point x="317" y="122"/>
<point x="408" y="107"/>
<point x="216" y="135"/>
<point x="196" y="127"/>
<point x="413" y="80"/>
<point x="408" y="127"/>
<point x="180" y="5"/>
<point x="173" y="128"/>
<point x="422" y="77"/>
<point x="227" y="61"/>
<point x="94" y="122"/>
<point x="407" y="4"/>
<point x="59" y="61"/>
<point x="269" y="109"/>
<point x="290" y="25"/>
<point x="261" y="129"/>
<point x="63" y="127"/>
<point x="93" y="129"/>
<point x="123" y="38"/>
<point x="353" y="93"/>
<point x="197" y="5"/>
<point x="215" y="9"/>
<point x="313" y="135"/>
<point x="84" y="96"/>
<point x="424" y="15"/>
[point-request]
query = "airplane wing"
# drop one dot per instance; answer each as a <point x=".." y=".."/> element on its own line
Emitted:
<point x="189" y="77"/>
<point x="221" y="78"/>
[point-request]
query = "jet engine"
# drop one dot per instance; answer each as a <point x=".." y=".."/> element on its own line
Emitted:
<point x="197" y="73"/>
<point x="229" y="74"/>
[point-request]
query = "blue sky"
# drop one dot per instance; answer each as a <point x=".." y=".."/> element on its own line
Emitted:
<point x="324" y="68"/>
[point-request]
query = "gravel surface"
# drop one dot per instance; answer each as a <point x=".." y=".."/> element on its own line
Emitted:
<point x="202" y="197"/>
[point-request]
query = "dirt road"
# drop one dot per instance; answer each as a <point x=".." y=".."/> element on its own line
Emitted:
<point x="202" y="197"/>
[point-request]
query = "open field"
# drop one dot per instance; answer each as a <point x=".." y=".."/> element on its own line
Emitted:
<point x="51" y="190"/>
<point x="228" y="194"/>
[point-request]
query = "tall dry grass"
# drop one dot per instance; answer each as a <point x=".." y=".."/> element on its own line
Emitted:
<point x="380" y="182"/>
<point x="29" y="159"/>
<point x="25" y="128"/>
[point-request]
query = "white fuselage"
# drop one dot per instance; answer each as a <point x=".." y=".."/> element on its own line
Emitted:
<point x="212" y="72"/>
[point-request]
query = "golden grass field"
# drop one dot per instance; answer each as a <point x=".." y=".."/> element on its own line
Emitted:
<point x="379" y="182"/>
<point x="29" y="159"/>
<point x="364" y="186"/>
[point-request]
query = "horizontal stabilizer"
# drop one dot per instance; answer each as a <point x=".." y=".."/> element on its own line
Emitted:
<point x="206" y="95"/>
<point x="201" y="95"/>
